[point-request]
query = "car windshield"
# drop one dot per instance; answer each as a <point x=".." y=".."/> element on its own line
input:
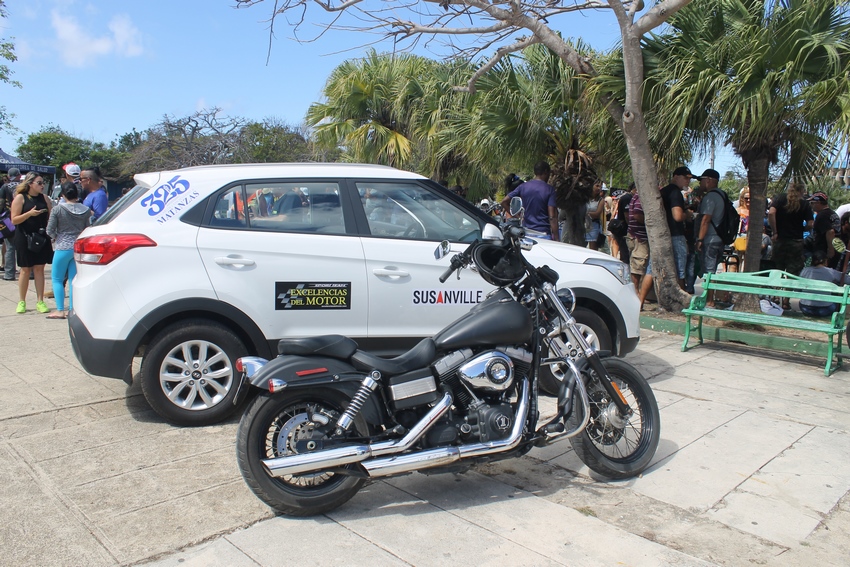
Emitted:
<point x="408" y="210"/>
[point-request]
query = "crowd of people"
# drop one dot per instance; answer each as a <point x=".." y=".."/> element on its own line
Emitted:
<point x="800" y="231"/>
<point x="38" y="230"/>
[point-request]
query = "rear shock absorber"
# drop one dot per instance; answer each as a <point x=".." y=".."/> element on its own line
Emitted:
<point x="367" y="386"/>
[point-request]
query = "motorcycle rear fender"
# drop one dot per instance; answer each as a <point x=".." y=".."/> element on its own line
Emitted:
<point x="301" y="372"/>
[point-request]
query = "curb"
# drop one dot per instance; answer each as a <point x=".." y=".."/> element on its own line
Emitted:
<point x="749" y="338"/>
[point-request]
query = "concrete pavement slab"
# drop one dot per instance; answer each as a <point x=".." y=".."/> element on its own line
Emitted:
<point x="218" y="553"/>
<point x="700" y="474"/>
<point x="421" y="533"/>
<point x="280" y="541"/>
<point x="771" y="519"/>
<point x="562" y="534"/>
<point x="36" y="525"/>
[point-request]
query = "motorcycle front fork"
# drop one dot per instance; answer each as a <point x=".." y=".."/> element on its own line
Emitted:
<point x="569" y="326"/>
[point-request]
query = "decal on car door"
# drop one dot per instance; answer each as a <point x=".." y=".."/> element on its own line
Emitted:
<point x="312" y="295"/>
<point x="447" y="296"/>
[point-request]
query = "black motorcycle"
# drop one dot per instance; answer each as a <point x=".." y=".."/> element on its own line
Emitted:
<point x="330" y="416"/>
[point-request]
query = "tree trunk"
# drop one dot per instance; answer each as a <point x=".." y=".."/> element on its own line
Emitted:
<point x="670" y="296"/>
<point x="758" y="164"/>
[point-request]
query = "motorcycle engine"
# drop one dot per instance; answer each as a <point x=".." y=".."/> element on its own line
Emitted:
<point x="480" y="384"/>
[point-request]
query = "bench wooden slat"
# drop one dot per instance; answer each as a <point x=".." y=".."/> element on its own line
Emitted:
<point x="773" y="283"/>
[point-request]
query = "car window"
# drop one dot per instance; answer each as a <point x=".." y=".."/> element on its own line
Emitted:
<point x="408" y="210"/>
<point x="229" y="210"/>
<point x="122" y="204"/>
<point x="296" y="207"/>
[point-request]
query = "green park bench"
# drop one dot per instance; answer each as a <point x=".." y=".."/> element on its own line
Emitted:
<point x="773" y="283"/>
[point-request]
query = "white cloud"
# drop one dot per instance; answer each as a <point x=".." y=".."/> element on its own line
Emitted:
<point x="80" y="47"/>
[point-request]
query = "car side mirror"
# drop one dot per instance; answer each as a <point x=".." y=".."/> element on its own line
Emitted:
<point x="491" y="232"/>
<point x="443" y="249"/>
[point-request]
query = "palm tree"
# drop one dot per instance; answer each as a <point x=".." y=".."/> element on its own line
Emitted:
<point x="769" y="76"/>
<point x="370" y="107"/>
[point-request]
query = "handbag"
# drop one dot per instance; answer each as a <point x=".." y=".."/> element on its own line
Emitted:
<point x="740" y="243"/>
<point x="36" y="241"/>
<point x="7" y="228"/>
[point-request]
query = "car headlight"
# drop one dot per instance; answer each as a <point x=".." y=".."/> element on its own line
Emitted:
<point x="618" y="269"/>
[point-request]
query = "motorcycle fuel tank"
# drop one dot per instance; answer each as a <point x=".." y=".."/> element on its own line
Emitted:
<point x="498" y="320"/>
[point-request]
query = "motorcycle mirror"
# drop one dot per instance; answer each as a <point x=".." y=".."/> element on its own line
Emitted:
<point x="443" y="249"/>
<point x="491" y="232"/>
<point x="516" y="206"/>
<point x="568" y="298"/>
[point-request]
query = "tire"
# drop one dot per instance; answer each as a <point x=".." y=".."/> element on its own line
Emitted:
<point x="612" y="451"/>
<point x="199" y="391"/>
<point x="595" y="331"/>
<point x="267" y="419"/>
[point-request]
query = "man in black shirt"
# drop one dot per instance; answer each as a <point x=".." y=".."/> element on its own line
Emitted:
<point x="827" y="227"/>
<point x="674" y="206"/>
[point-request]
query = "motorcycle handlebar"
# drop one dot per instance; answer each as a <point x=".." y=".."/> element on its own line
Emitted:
<point x="456" y="263"/>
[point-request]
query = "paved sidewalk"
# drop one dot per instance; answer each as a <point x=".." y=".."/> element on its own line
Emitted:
<point x="753" y="468"/>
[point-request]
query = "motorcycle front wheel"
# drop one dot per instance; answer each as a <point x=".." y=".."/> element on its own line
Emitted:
<point x="271" y="427"/>
<point x="610" y="445"/>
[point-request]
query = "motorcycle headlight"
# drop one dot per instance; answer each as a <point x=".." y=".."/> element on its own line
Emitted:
<point x="618" y="269"/>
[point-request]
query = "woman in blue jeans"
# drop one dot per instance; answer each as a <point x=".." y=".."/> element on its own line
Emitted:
<point x="67" y="220"/>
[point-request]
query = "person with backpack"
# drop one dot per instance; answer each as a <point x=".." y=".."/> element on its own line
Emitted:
<point x="712" y="210"/>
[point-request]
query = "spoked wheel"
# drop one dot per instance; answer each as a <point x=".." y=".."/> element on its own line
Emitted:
<point x="275" y="426"/>
<point x="611" y="445"/>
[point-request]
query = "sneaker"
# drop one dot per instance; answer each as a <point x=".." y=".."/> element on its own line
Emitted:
<point x="22" y="307"/>
<point x="41" y="307"/>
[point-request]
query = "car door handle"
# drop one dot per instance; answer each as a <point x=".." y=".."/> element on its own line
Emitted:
<point x="390" y="273"/>
<point x="231" y="261"/>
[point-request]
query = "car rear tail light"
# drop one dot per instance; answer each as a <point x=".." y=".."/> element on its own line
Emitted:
<point x="102" y="249"/>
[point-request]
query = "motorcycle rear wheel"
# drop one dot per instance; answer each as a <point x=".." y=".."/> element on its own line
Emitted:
<point x="610" y="446"/>
<point x="270" y="427"/>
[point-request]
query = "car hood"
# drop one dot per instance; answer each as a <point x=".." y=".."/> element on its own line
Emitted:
<point x="570" y="253"/>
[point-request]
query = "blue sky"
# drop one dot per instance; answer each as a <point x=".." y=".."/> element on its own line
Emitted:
<point x="100" y="68"/>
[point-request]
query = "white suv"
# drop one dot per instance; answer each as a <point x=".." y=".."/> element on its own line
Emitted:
<point x="196" y="267"/>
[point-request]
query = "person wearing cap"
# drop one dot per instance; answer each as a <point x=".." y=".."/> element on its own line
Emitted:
<point x="538" y="199"/>
<point x="7" y="195"/>
<point x="826" y="227"/>
<point x="674" y="207"/>
<point x="789" y="213"/>
<point x="70" y="173"/>
<point x="708" y="244"/>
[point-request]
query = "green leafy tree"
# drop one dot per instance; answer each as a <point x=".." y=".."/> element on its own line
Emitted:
<point x="52" y="145"/>
<point x="272" y="141"/>
<point x="768" y="76"/>
<point x="370" y="107"/>
<point x="7" y="53"/>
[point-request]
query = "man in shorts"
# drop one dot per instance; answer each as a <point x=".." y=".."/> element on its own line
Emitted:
<point x="638" y="244"/>
<point x="708" y="243"/>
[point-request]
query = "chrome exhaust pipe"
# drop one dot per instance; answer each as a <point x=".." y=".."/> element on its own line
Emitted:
<point x="341" y="456"/>
<point x="400" y="464"/>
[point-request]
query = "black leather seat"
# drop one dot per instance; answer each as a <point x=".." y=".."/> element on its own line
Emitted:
<point x="334" y="346"/>
<point x="419" y="356"/>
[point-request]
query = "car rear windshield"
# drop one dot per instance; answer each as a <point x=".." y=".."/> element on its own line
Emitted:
<point x="121" y="204"/>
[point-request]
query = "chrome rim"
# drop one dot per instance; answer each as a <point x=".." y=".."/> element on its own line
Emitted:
<point x="589" y="335"/>
<point x="196" y="375"/>
<point x="613" y="436"/>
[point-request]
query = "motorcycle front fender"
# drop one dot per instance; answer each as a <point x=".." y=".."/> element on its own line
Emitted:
<point x="291" y="372"/>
